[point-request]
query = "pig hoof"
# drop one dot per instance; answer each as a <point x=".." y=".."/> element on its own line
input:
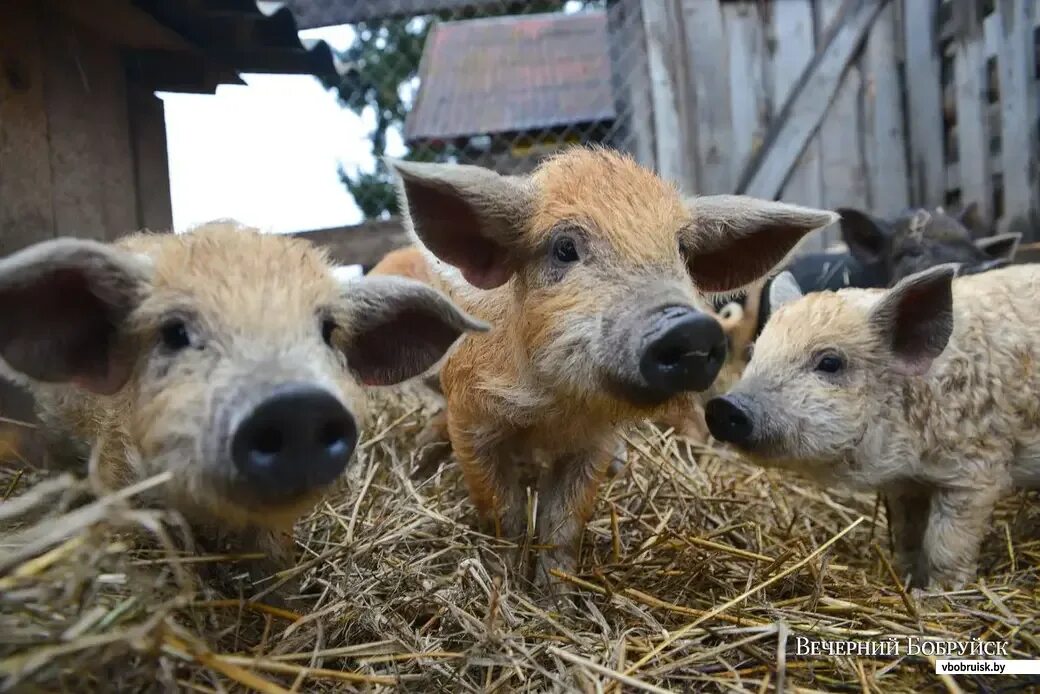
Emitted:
<point x="430" y="459"/>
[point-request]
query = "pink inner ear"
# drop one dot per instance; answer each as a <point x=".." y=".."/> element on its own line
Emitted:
<point x="488" y="277"/>
<point x="913" y="367"/>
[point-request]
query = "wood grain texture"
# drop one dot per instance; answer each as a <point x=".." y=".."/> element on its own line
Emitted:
<point x="924" y="101"/>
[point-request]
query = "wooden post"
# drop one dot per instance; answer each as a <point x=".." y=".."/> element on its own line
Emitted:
<point x="1019" y="94"/>
<point x="792" y="30"/>
<point x="924" y="102"/>
<point x="669" y="92"/>
<point x="885" y="148"/>
<point x="969" y="72"/>
<point x="747" y="89"/>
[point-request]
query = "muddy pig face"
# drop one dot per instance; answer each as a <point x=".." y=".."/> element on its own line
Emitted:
<point x="920" y="239"/>
<point x="826" y="365"/>
<point x="229" y="357"/>
<point x="606" y="267"/>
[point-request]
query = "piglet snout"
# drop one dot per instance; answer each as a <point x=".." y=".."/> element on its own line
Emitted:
<point x="728" y="421"/>
<point x="298" y="439"/>
<point x="684" y="351"/>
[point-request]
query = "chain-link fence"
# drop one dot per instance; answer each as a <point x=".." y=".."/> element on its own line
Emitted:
<point x="495" y="83"/>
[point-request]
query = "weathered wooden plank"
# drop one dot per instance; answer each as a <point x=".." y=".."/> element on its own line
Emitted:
<point x="712" y="123"/>
<point x="631" y="79"/>
<point x="90" y="152"/>
<point x="364" y="244"/>
<point x="26" y="214"/>
<point x="924" y="102"/>
<point x="151" y="164"/>
<point x="844" y="174"/>
<point x="808" y="103"/>
<point x="885" y="149"/>
<point x="668" y="90"/>
<point x="793" y="32"/>
<point x="747" y="89"/>
<point x="1019" y="95"/>
<point x="969" y="68"/>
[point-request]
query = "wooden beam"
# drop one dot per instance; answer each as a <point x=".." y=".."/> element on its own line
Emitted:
<point x="747" y="89"/>
<point x="1019" y="93"/>
<point x="808" y="102"/>
<point x="363" y="244"/>
<point x="885" y="150"/>
<point x="669" y="92"/>
<point x="707" y="58"/>
<point x="969" y="74"/>
<point x="925" y="101"/>
<point x="794" y="36"/>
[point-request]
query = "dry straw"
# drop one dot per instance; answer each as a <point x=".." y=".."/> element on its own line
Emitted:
<point x="697" y="574"/>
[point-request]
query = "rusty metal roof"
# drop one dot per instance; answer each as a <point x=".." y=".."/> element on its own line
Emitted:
<point x="511" y="74"/>
<point x="205" y="44"/>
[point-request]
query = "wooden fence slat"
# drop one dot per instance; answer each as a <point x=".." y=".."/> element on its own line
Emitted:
<point x="91" y="158"/>
<point x="1019" y="94"/>
<point x="712" y="119"/>
<point x="631" y="78"/>
<point x="924" y="102"/>
<point x="666" y="92"/>
<point x="969" y="73"/>
<point x="26" y="212"/>
<point x="883" y="118"/>
<point x="808" y="103"/>
<point x="842" y="160"/>
<point x="747" y="89"/>
<point x="792" y="29"/>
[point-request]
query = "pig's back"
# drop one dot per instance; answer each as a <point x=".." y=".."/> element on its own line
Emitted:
<point x="990" y="370"/>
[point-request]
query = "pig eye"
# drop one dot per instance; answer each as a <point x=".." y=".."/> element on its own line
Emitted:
<point x="174" y="335"/>
<point x="565" y="251"/>
<point x="830" y="363"/>
<point x="328" y="326"/>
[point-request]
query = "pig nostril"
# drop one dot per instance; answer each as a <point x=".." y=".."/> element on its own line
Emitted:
<point x="670" y="356"/>
<point x="333" y="436"/>
<point x="268" y="441"/>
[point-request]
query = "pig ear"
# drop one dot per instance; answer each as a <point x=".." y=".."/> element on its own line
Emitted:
<point x="63" y="304"/>
<point x="468" y="216"/>
<point x="970" y="217"/>
<point x="1000" y="246"/>
<point x="734" y="240"/>
<point x="915" y="318"/>
<point x="867" y="237"/>
<point x="397" y="328"/>
<point x="783" y="290"/>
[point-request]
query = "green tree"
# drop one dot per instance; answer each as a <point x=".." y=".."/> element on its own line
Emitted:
<point x="384" y="60"/>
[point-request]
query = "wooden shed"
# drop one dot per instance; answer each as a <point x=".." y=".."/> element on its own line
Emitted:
<point x="82" y="134"/>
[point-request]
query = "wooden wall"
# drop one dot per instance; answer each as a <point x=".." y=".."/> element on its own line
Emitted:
<point x="879" y="104"/>
<point x="82" y="150"/>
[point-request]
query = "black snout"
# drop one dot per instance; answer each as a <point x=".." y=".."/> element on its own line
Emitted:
<point x="728" y="421"/>
<point x="684" y="351"/>
<point x="298" y="439"/>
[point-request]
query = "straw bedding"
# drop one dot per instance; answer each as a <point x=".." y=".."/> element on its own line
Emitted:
<point x="698" y="573"/>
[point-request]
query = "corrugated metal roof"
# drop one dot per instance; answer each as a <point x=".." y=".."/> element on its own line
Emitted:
<point x="226" y="37"/>
<point x="506" y="74"/>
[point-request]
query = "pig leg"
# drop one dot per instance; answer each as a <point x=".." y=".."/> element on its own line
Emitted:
<point x="494" y="485"/>
<point x="907" y="504"/>
<point x="434" y="446"/>
<point x="566" y="497"/>
<point x="957" y="523"/>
